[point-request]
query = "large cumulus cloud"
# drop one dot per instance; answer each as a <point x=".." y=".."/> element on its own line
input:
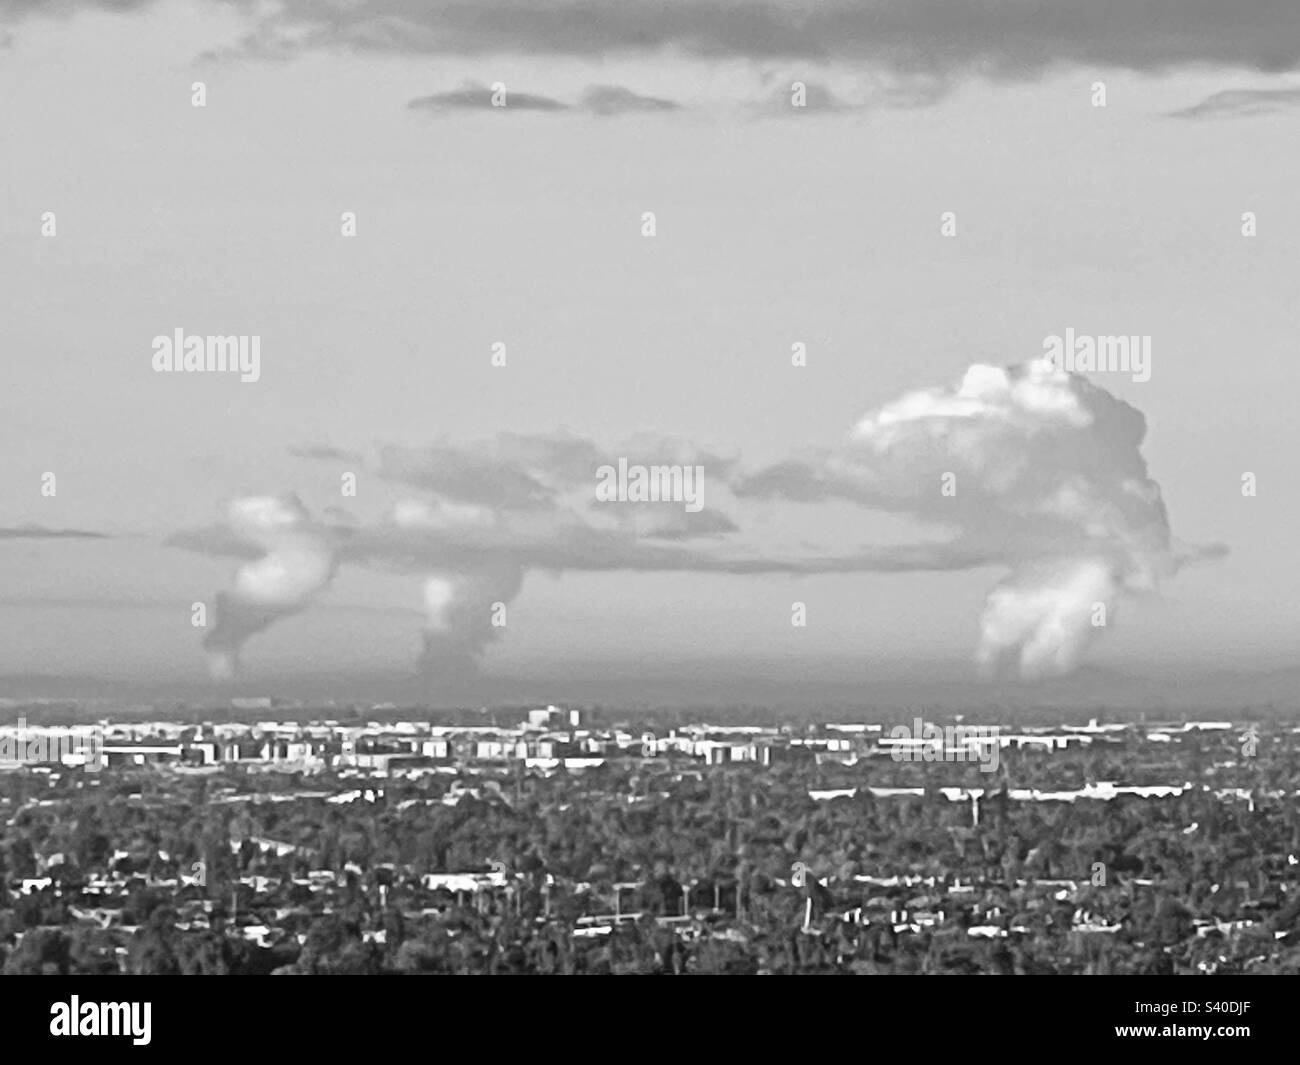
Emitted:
<point x="1030" y="468"/>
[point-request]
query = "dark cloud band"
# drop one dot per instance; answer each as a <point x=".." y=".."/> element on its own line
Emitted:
<point x="988" y="37"/>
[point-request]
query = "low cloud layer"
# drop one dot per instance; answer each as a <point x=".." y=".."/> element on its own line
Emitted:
<point x="470" y="521"/>
<point x="324" y="453"/>
<point x="1028" y="469"/>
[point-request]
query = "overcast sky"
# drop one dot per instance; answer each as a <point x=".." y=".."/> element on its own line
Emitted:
<point x="523" y="224"/>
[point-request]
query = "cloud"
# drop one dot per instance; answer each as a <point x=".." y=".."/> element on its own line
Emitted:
<point x="475" y="97"/>
<point x="658" y="523"/>
<point x="464" y="613"/>
<point x="264" y="44"/>
<point x="472" y="520"/>
<point x="977" y="37"/>
<point x="602" y="100"/>
<point x="619" y="100"/>
<point x="487" y="476"/>
<point x="324" y="453"/>
<point x="519" y="472"/>
<point x="1030" y="468"/>
<point x="39" y="532"/>
<point x="1235" y="103"/>
<point x="291" y="563"/>
<point x="848" y="89"/>
<point x="813" y="98"/>
<point x="468" y="558"/>
<point x="917" y="49"/>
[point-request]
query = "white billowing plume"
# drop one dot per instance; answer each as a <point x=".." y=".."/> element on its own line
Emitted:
<point x="1030" y="468"/>
<point x="1046" y="616"/>
<point x="465" y="611"/>
<point x="296" y="562"/>
<point x="1050" y="467"/>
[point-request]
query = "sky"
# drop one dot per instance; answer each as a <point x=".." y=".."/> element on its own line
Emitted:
<point x="523" y="224"/>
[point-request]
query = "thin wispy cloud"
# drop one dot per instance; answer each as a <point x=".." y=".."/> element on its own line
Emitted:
<point x="474" y="97"/>
<point x="39" y="532"/>
<point x="620" y="100"/>
<point x="323" y="453"/>
<point x="1239" y="103"/>
<point x="528" y="471"/>
<point x="602" y="100"/>
<point x="801" y="98"/>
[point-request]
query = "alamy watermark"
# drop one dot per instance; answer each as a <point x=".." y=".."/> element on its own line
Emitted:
<point x="651" y="484"/>
<point x="179" y="353"/>
<point x="78" y="1018"/>
<point x="1100" y="354"/>
<point x="924" y="741"/>
<point x="75" y="745"/>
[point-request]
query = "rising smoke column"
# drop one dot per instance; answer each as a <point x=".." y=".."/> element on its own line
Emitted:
<point x="295" y="563"/>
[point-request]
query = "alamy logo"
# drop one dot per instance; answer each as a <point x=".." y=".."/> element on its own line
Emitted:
<point x="179" y="353"/>
<point x="102" y="1018"/>
<point x="926" y="741"/>
<point x="77" y="745"/>
<point x="1109" y="354"/>
<point x="651" y="484"/>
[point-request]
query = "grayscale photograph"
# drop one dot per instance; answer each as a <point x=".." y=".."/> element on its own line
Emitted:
<point x="666" y="487"/>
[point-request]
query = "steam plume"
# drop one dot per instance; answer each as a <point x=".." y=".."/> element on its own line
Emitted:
<point x="295" y="563"/>
<point x="459" y="608"/>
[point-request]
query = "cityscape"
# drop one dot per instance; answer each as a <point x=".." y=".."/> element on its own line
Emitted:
<point x="265" y="839"/>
